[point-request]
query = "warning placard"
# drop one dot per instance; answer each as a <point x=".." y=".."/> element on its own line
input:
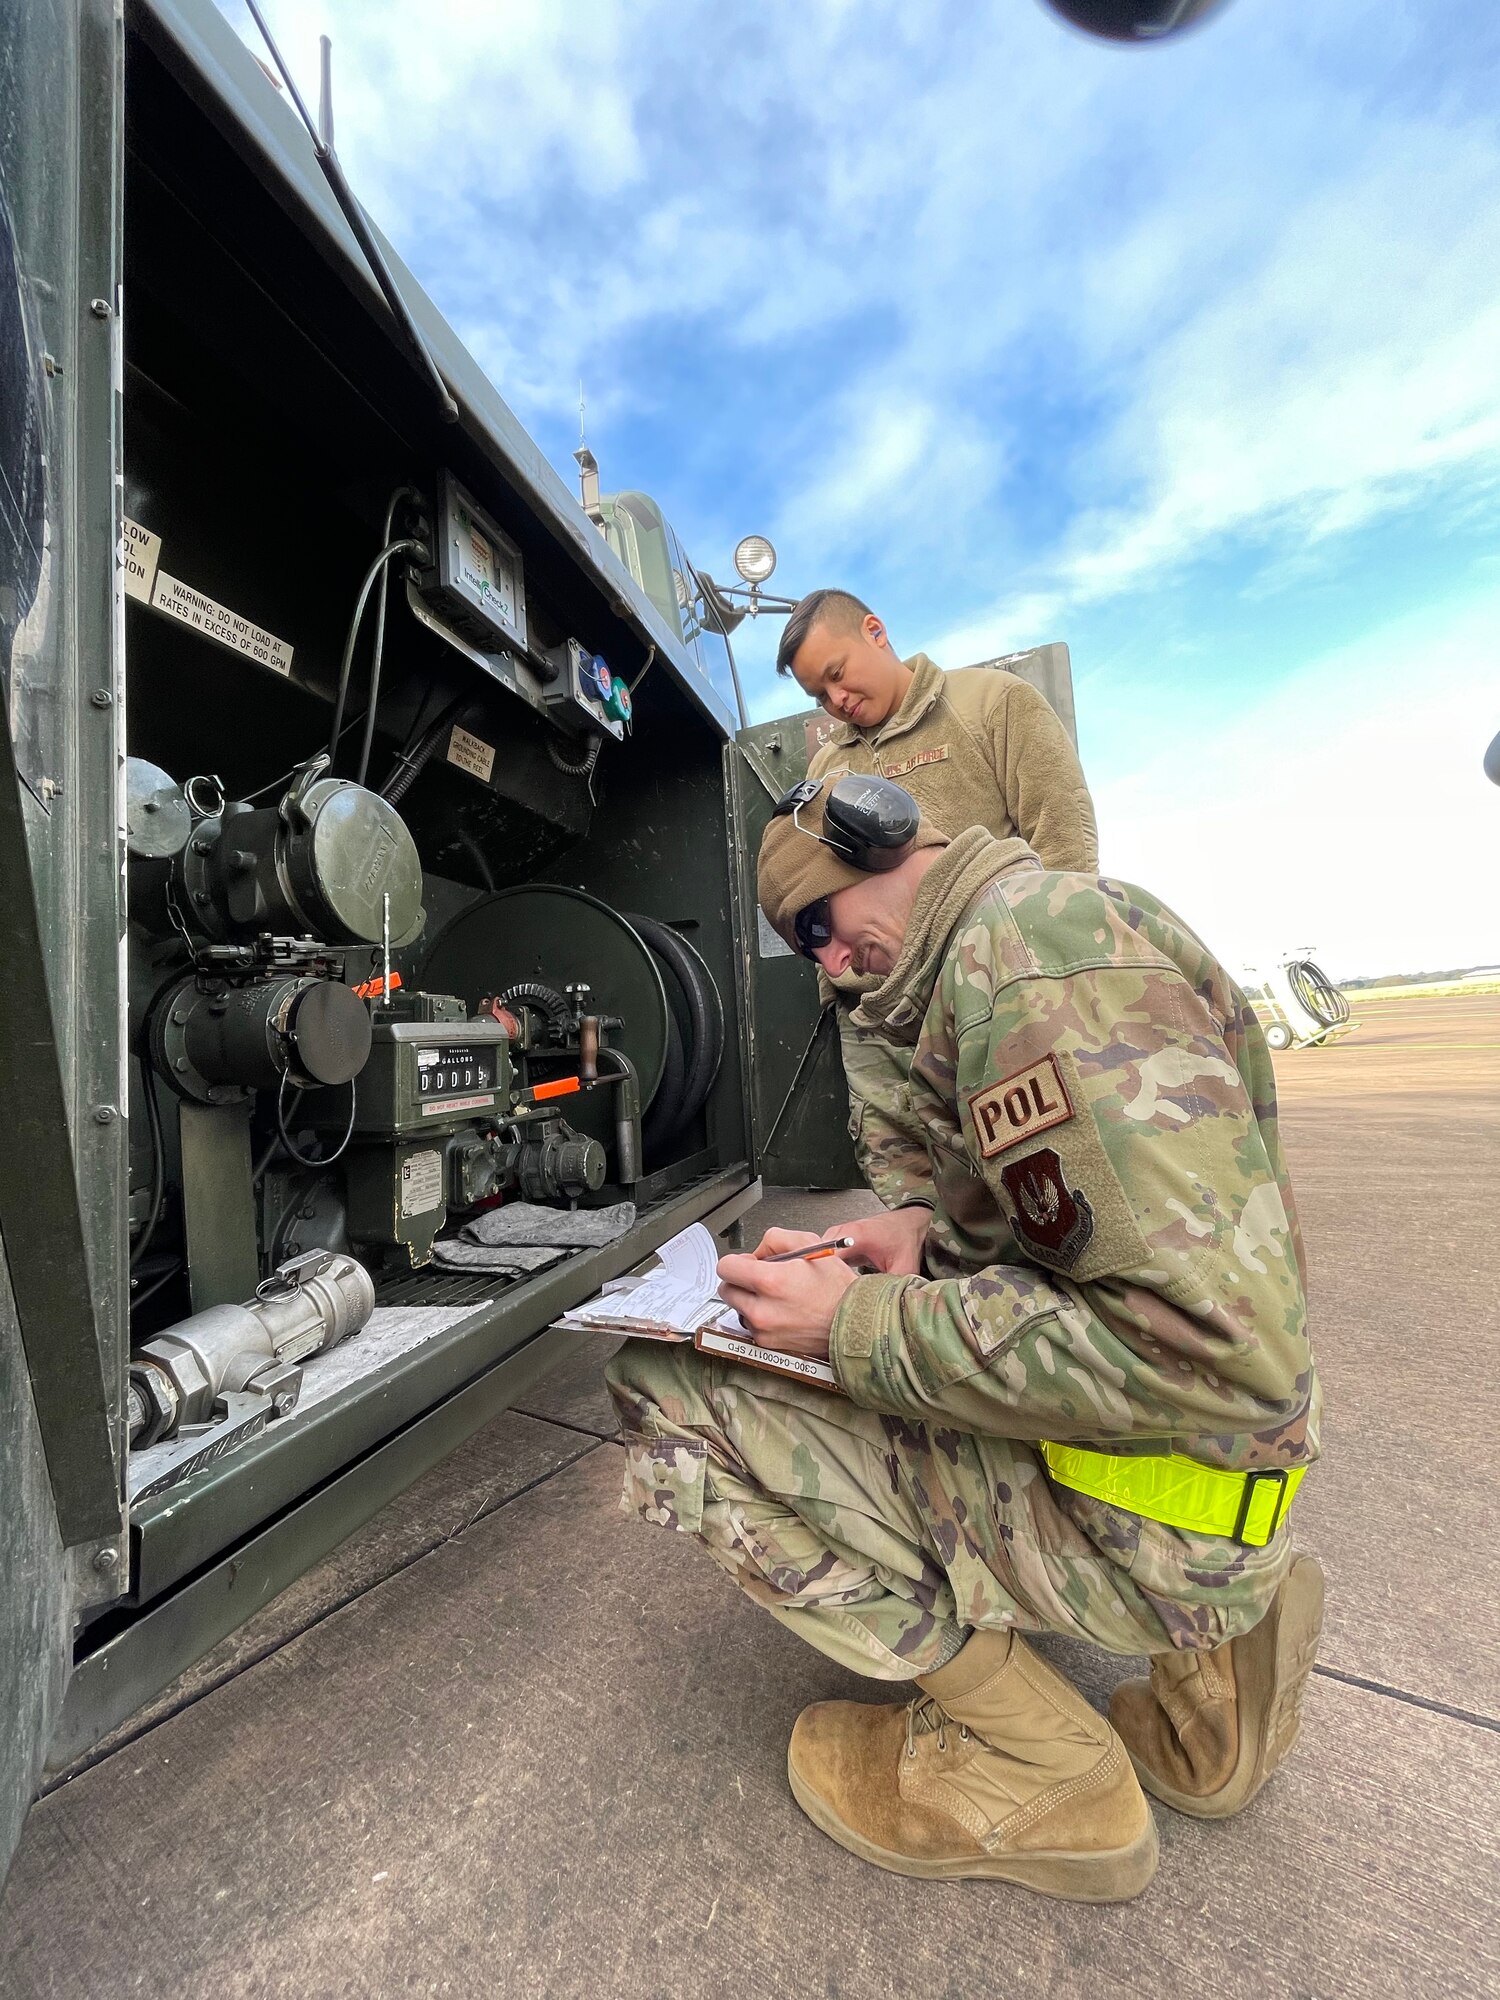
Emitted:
<point x="471" y="754"/>
<point x="217" y="622"/>
<point x="141" y="550"/>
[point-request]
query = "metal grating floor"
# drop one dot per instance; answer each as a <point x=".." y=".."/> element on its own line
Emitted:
<point x="441" y="1288"/>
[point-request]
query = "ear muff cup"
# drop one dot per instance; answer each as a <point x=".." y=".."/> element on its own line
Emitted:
<point x="873" y="821"/>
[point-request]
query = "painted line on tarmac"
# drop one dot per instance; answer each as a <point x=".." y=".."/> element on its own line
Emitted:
<point x="1414" y="1700"/>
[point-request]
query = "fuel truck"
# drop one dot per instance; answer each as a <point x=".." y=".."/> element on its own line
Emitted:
<point x="377" y="854"/>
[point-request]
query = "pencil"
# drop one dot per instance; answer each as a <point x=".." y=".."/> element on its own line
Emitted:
<point x="829" y="1249"/>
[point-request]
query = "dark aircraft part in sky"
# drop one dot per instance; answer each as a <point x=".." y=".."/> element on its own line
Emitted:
<point x="1134" y="20"/>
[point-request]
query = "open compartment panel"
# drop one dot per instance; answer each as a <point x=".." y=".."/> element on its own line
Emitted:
<point x="476" y="949"/>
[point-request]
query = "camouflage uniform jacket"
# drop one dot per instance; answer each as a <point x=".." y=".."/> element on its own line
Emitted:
<point x="1114" y="1255"/>
<point x="978" y="747"/>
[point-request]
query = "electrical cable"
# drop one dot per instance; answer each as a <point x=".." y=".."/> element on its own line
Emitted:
<point x="323" y="1159"/>
<point x="156" y="1284"/>
<point x="268" y="1153"/>
<point x="153" y="1116"/>
<point x="1317" y="994"/>
<point x="292" y="769"/>
<point x="158" y="1160"/>
<point x="367" y="713"/>
<point x="581" y="767"/>
<point x="408" y="545"/>
<point x="377" y="657"/>
<point x="408" y="766"/>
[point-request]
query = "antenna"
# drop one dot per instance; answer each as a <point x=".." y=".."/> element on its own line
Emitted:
<point x="321" y="135"/>
<point x="581" y="438"/>
<point x="325" y="91"/>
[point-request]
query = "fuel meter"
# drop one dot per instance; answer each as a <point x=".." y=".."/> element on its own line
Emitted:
<point x="476" y="575"/>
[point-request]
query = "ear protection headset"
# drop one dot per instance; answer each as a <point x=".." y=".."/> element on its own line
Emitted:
<point x="868" y="822"/>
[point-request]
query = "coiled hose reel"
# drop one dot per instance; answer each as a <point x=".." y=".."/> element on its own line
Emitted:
<point x="696" y="1040"/>
<point x="530" y="943"/>
<point x="1317" y="994"/>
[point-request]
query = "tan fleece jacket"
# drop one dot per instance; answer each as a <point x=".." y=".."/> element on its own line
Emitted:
<point x="979" y="747"/>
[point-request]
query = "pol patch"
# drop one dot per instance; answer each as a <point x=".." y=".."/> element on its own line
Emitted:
<point x="1031" y="1101"/>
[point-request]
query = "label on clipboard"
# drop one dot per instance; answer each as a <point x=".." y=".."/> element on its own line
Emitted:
<point x="724" y="1346"/>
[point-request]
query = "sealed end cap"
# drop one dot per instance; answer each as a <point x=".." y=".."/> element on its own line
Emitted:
<point x="353" y="850"/>
<point x="330" y="1030"/>
<point x="158" y="818"/>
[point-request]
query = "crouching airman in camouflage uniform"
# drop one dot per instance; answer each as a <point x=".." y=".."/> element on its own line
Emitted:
<point x="1077" y="1388"/>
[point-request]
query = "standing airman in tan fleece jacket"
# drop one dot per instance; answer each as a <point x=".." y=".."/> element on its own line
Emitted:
<point x="975" y="747"/>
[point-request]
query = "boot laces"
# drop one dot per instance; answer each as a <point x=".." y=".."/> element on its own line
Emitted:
<point x="926" y="1715"/>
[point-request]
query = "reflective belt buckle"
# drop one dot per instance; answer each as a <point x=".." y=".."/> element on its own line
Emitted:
<point x="1257" y="1538"/>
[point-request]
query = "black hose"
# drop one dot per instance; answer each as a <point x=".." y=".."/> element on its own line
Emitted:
<point x="408" y="766"/>
<point x="1317" y="994"/>
<point x="377" y="657"/>
<point x="158" y="1160"/>
<point x="661" y="1121"/>
<point x="408" y="545"/>
<point x="705" y="1037"/>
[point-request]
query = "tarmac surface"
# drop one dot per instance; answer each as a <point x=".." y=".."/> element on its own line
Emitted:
<point x="506" y="1740"/>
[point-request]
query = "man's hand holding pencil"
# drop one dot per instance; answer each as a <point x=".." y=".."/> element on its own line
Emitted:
<point x="788" y="1291"/>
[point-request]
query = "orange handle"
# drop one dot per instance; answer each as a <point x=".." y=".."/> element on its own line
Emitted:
<point x="374" y="989"/>
<point x="560" y="1086"/>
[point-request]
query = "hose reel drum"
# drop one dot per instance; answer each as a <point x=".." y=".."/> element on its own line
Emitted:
<point x="641" y="972"/>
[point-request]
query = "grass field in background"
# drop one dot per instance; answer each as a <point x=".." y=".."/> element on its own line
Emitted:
<point x="1359" y="996"/>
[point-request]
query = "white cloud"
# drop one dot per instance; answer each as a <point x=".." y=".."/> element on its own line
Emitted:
<point x="991" y="323"/>
<point x="1268" y="307"/>
<point x="1349" y="812"/>
<point x="1356" y="362"/>
<point x="884" y="465"/>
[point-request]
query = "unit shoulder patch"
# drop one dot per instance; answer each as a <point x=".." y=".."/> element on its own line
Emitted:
<point x="1031" y="1101"/>
<point x="1055" y="1224"/>
<point x="904" y="766"/>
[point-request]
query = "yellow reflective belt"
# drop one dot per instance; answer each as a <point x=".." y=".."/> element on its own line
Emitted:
<point x="1243" y="1507"/>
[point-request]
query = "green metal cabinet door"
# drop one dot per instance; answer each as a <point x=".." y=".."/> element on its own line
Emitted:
<point x="799" y="1106"/>
<point x="62" y="1090"/>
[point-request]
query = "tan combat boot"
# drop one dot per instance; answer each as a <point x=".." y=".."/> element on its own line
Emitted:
<point x="1208" y="1729"/>
<point x="1001" y="1770"/>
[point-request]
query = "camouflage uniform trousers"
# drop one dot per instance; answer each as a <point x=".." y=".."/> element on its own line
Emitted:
<point x="879" y="1541"/>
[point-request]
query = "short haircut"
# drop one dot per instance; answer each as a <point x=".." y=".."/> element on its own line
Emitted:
<point x="820" y="607"/>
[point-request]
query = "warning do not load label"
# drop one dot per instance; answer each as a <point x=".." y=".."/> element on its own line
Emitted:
<point x="148" y="582"/>
<point x="216" y="621"/>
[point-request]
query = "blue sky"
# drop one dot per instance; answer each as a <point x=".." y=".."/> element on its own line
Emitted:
<point x="1189" y="356"/>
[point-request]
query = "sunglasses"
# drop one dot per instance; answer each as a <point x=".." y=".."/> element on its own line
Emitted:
<point x="813" y="928"/>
